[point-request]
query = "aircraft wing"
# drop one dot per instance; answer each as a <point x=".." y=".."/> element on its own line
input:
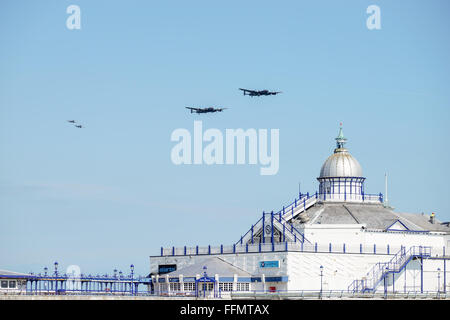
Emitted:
<point x="246" y="90"/>
<point x="192" y="108"/>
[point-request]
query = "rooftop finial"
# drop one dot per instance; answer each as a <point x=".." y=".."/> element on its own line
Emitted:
<point x="340" y="139"/>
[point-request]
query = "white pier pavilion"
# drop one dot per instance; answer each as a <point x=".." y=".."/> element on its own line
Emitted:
<point x="339" y="239"/>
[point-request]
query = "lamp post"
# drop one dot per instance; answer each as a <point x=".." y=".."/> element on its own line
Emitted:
<point x="204" y="280"/>
<point x="31" y="285"/>
<point x="115" y="283"/>
<point x="321" y="282"/>
<point x="56" y="277"/>
<point x="132" y="271"/>
<point x="439" y="280"/>
<point x="120" y="283"/>
<point x="386" y="282"/>
<point x="46" y="281"/>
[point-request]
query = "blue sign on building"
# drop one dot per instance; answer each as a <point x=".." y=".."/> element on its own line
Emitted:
<point x="269" y="264"/>
<point x="166" y="268"/>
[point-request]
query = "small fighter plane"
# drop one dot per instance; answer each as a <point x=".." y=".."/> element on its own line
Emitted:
<point x="205" y="110"/>
<point x="79" y="126"/>
<point x="253" y="93"/>
<point x="71" y="121"/>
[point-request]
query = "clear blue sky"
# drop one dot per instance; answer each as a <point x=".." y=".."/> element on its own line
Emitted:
<point x="108" y="195"/>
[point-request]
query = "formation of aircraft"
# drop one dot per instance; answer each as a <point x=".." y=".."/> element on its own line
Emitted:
<point x="247" y="92"/>
<point x="205" y="110"/>
<point x="76" y="125"/>
<point x="257" y="93"/>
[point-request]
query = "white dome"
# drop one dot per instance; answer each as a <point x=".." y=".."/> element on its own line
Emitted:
<point x="341" y="164"/>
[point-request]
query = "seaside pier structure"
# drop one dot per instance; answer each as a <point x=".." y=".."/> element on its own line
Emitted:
<point x="338" y="239"/>
<point x="57" y="283"/>
<point x="337" y="242"/>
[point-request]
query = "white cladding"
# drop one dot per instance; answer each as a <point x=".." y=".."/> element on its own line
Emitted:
<point x="354" y="235"/>
<point x="339" y="270"/>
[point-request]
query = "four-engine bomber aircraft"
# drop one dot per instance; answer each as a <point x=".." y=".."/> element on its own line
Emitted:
<point x="253" y="93"/>
<point x="74" y="123"/>
<point x="205" y="110"/>
<point x="247" y="92"/>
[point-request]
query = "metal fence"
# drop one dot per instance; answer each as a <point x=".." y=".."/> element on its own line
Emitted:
<point x="294" y="247"/>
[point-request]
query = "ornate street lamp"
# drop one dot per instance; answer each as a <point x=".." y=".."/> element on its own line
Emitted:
<point x="114" y="285"/>
<point x="120" y="283"/>
<point x="46" y="281"/>
<point x="132" y="271"/>
<point x="56" y="277"/>
<point x="204" y="280"/>
<point x="321" y="277"/>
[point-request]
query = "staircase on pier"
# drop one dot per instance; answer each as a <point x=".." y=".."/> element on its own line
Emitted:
<point x="382" y="269"/>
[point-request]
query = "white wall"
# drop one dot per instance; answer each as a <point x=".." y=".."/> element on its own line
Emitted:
<point x="339" y="270"/>
<point x="246" y="261"/>
<point x="353" y="236"/>
<point x="21" y="286"/>
<point x="409" y="280"/>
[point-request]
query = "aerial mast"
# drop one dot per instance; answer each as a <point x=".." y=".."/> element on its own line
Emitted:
<point x="386" y="200"/>
<point x="386" y="189"/>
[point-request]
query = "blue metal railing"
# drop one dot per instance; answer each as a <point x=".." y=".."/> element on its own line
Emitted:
<point x="381" y="269"/>
<point x="306" y="246"/>
<point x="286" y="227"/>
<point x="251" y="229"/>
<point x="343" y="196"/>
<point x="302" y="201"/>
<point x="297" y="232"/>
<point x="296" y="202"/>
<point x="83" y="283"/>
